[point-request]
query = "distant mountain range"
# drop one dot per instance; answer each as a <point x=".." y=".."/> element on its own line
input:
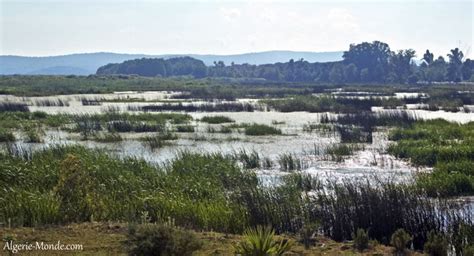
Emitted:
<point x="88" y="63"/>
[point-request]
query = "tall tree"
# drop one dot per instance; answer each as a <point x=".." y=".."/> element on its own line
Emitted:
<point x="374" y="57"/>
<point x="401" y="65"/>
<point x="467" y="69"/>
<point x="455" y="65"/>
<point x="428" y="57"/>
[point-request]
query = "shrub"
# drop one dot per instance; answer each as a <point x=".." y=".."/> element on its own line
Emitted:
<point x="437" y="245"/>
<point x="361" y="239"/>
<point x="400" y="239"/>
<point x="260" y="241"/>
<point x="158" y="239"/>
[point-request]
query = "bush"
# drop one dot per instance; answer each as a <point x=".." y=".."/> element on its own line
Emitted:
<point x="260" y="241"/>
<point x="361" y="239"/>
<point x="437" y="245"/>
<point x="153" y="239"/>
<point x="399" y="240"/>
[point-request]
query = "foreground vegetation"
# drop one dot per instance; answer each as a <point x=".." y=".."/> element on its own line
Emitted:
<point x="112" y="238"/>
<point x="61" y="185"/>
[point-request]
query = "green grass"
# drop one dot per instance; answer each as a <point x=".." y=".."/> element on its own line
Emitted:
<point x="217" y="119"/>
<point x="206" y="192"/>
<point x="448" y="147"/>
<point x="261" y="130"/>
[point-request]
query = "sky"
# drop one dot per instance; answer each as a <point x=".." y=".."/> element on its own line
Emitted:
<point x="58" y="27"/>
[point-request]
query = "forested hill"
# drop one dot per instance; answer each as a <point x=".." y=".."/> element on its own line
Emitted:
<point x="88" y="63"/>
<point x="365" y="62"/>
<point x="180" y="66"/>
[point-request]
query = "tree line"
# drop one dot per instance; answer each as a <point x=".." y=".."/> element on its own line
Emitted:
<point x="366" y="62"/>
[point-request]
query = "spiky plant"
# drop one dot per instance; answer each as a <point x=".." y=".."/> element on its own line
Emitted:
<point x="260" y="241"/>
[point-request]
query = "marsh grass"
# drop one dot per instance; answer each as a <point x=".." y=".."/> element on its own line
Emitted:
<point x="159" y="140"/>
<point x="261" y="130"/>
<point x="107" y="137"/>
<point x="6" y="136"/>
<point x="217" y="119"/>
<point x="289" y="162"/>
<point x="51" y="103"/>
<point x="249" y="160"/>
<point x="184" y="128"/>
<point x="13" y="107"/>
<point x="448" y="147"/>
<point x="339" y="151"/>
<point x="215" y="107"/>
<point x="210" y="192"/>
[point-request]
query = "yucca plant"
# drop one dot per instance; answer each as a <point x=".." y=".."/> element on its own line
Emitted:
<point x="260" y="241"/>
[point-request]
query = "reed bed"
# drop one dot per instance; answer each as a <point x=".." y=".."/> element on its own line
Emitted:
<point x="51" y="103"/>
<point x="13" y="107"/>
<point x="261" y="130"/>
<point x="216" y="107"/>
<point x="217" y="119"/>
<point x="448" y="147"/>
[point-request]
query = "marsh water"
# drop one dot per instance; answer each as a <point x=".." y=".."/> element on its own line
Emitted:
<point x="308" y="147"/>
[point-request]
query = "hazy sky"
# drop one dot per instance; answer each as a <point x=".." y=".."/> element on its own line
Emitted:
<point x="55" y="27"/>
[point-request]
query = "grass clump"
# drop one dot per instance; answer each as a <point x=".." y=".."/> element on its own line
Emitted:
<point x="160" y="239"/>
<point x="289" y="162"/>
<point x="159" y="140"/>
<point x="339" y="151"/>
<point x="361" y="239"/>
<point x="6" y="136"/>
<point x="184" y="128"/>
<point x="261" y="241"/>
<point x="108" y="137"/>
<point x="400" y="240"/>
<point x="217" y="119"/>
<point x="437" y="244"/>
<point x="261" y="130"/>
<point x="249" y="160"/>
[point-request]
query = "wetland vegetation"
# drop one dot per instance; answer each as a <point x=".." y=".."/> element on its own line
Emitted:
<point x="302" y="158"/>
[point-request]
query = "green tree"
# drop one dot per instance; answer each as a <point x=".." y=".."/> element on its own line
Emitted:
<point x="428" y="57"/>
<point x="371" y="56"/>
<point x="351" y="74"/>
<point x="401" y="65"/>
<point x="455" y="65"/>
<point x="336" y="75"/>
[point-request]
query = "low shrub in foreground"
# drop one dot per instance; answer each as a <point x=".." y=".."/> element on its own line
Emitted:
<point x="160" y="239"/>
